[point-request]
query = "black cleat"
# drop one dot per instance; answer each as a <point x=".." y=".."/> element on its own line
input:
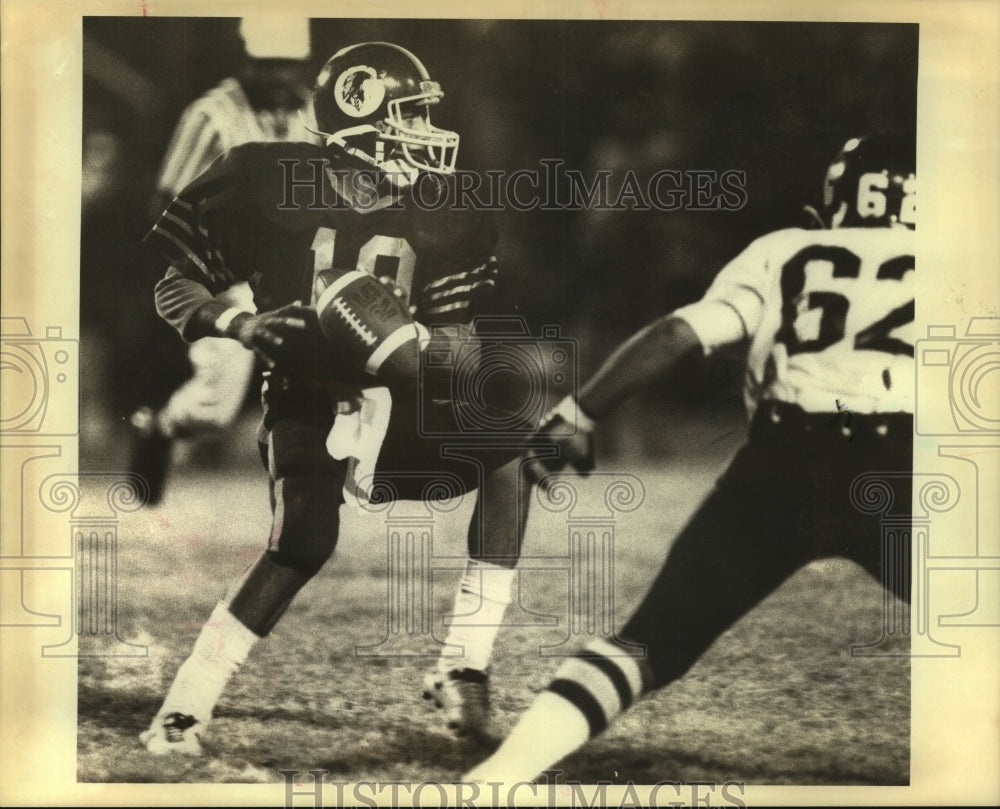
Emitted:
<point x="464" y="696"/>
<point x="173" y="733"/>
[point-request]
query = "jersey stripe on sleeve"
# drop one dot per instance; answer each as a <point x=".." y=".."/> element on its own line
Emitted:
<point x="456" y="292"/>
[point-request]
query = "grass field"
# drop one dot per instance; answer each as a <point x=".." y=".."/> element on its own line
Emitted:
<point x="778" y="700"/>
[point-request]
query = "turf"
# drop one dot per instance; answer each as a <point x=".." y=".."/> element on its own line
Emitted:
<point x="777" y="700"/>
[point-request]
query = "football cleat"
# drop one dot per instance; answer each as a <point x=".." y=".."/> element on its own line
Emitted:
<point x="173" y="733"/>
<point x="464" y="696"/>
<point x="150" y="453"/>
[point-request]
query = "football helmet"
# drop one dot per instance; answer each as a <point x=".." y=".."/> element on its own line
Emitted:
<point x="872" y="182"/>
<point x="373" y="100"/>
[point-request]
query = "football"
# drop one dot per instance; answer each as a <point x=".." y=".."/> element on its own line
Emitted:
<point x="369" y="327"/>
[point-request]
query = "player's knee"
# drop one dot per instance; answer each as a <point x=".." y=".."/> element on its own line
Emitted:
<point x="186" y="416"/>
<point x="306" y="521"/>
<point x="200" y="424"/>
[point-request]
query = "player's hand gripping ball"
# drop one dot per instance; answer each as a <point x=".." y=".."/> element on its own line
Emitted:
<point x="369" y="327"/>
<point x="287" y="338"/>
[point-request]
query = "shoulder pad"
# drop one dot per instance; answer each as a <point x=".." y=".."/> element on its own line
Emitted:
<point x="439" y="223"/>
<point x="286" y="182"/>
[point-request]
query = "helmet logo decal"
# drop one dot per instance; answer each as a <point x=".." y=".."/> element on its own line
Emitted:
<point x="358" y="91"/>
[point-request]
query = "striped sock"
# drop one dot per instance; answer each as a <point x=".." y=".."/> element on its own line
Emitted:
<point x="601" y="681"/>
<point x="587" y="693"/>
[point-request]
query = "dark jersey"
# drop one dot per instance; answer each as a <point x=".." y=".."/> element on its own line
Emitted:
<point x="266" y="213"/>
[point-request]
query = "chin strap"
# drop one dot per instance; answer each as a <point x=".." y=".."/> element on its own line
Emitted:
<point x="400" y="173"/>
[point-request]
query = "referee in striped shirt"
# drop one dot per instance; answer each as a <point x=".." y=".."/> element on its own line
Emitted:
<point x="260" y="103"/>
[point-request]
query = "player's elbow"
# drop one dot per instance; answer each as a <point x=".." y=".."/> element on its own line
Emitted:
<point x="165" y="295"/>
<point x="662" y="348"/>
<point x="179" y="302"/>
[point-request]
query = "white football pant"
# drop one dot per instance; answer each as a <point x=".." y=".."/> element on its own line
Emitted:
<point x="221" y="371"/>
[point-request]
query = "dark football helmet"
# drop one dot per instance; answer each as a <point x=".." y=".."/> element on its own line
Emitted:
<point x="373" y="99"/>
<point x="872" y="183"/>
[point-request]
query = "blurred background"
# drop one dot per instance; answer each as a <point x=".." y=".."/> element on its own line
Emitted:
<point x="773" y="100"/>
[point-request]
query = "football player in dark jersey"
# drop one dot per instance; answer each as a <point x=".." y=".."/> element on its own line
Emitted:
<point x="284" y="217"/>
<point x="828" y="316"/>
<point x="260" y="103"/>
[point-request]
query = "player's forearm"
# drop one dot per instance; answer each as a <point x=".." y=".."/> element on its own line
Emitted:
<point x="191" y="309"/>
<point x="642" y="359"/>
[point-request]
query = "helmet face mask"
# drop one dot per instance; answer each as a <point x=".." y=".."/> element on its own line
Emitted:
<point x="438" y="146"/>
<point x="872" y="183"/>
<point x="373" y="100"/>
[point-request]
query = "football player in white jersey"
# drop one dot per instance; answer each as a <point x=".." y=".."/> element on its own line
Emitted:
<point x="828" y="315"/>
<point x="260" y="104"/>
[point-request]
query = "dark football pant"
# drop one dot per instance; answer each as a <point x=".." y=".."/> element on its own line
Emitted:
<point x="427" y="453"/>
<point x="432" y="448"/>
<point x="785" y="501"/>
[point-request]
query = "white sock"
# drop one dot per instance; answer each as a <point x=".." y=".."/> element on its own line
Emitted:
<point x="480" y="603"/>
<point x="220" y="650"/>
<point x="551" y="729"/>
<point x="588" y="692"/>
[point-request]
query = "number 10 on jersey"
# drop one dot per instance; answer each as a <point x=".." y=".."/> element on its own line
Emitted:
<point x="389" y="256"/>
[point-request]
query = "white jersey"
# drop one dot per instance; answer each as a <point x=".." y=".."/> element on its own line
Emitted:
<point x="213" y="124"/>
<point x="830" y="317"/>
